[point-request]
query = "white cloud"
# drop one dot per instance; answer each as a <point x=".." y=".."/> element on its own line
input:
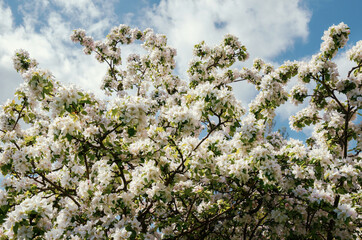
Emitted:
<point x="343" y="63"/>
<point x="45" y="33"/>
<point x="93" y="15"/>
<point x="84" y="8"/>
<point x="265" y="27"/>
<point x="6" y="18"/>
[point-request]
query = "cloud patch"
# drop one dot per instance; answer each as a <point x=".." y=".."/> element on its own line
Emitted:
<point x="44" y="32"/>
<point x="265" y="27"/>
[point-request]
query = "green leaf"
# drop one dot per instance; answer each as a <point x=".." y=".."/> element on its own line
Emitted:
<point x="131" y="131"/>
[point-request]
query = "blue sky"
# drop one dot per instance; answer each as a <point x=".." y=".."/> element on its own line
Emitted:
<point x="325" y="13"/>
<point x="276" y="31"/>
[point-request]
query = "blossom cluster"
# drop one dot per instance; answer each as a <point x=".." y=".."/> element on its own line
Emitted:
<point x="168" y="158"/>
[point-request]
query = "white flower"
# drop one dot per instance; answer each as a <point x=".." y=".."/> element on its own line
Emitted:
<point x="345" y="211"/>
<point x="121" y="234"/>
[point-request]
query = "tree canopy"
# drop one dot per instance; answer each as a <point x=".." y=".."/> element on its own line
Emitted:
<point x="171" y="158"/>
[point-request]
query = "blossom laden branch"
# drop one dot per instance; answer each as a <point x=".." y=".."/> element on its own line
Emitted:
<point x="167" y="158"/>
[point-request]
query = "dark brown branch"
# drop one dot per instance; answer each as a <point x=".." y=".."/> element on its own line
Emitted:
<point x="332" y="222"/>
<point x="331" y="92"/>
<point x="60" y="189"/>
<point x="205" y="223"/>
<point x="190" y="209"/>
<point x="354" y="68"/>
<point x="239" y="80"/>
<point x="141" y="217"/>
<point x="16" y="145"/>
<point x="257" y="225"/>
<point x="86" y="165"/>
<point x="208" y="134"/>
